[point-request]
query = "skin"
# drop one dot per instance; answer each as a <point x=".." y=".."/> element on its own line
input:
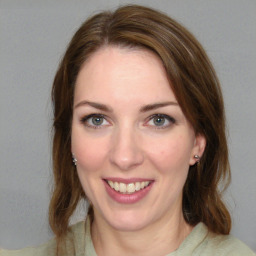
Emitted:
<point x="129" y="144"/>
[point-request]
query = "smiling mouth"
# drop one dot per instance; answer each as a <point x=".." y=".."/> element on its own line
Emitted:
<point x="129" y="188"/>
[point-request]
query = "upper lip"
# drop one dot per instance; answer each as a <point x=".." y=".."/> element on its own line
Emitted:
<point x="127" y="180"/>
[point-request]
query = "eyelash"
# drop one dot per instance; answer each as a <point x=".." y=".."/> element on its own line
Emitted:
<point x="170" y="119"/>
<point x="86" y="119"/>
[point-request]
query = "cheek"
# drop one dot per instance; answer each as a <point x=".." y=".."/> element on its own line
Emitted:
<point x="90" y="153"/>
<point x="171" y="154"/>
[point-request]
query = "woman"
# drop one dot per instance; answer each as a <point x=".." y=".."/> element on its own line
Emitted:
<point x="139" y="131"/>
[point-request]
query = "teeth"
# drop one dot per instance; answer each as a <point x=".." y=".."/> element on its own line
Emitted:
<point x="116" y="186"/>
<point x="122" y="188"/>
<point x="137" y="186"/>
<point x="111" y="184"/>
<point x="128" y="188"/>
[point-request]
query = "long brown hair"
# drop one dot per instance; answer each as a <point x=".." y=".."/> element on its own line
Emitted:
<point x="195" y="85"/>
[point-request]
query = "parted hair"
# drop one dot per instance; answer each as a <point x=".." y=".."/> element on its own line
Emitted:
<point x="196" y="87"/>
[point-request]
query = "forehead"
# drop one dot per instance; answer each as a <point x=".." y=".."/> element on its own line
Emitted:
<point x="127" y="73"/>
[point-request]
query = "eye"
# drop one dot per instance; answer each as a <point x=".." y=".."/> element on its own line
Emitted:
<point x="95" y="121"/>
<point x="160" y="121"/>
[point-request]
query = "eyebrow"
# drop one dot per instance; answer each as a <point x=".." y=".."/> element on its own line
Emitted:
<point x="143" y="109"/>
<point x="99" y="106"/>
<point x="157" y="105"/>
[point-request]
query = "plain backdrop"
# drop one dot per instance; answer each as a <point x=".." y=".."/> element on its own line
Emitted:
<point x="33" y="37"/>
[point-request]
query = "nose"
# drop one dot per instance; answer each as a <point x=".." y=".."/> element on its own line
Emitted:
<point x="126" y="152"/>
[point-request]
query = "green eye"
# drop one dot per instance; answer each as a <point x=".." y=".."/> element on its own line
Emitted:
<point x="159" y="121"/>
<point x="97" y="120"/>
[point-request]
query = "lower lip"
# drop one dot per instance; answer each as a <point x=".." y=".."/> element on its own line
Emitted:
<point x="128" y="198"/>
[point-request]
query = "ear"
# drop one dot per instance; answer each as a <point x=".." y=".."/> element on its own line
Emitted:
<point x="198" y="149"/>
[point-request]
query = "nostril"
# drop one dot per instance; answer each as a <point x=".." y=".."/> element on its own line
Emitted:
<point x="125" y="160"/>
<point x="126" y="152"/>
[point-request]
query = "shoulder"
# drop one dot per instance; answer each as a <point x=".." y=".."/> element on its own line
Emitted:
<point x="227" y="245"/>
<point x="202" y="242"/>
<point x="214" y="244"/>
<point x="48" y="248"/>
<point x="76" y="237"/>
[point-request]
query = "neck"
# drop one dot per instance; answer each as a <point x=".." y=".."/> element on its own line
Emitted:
<point x="160" y="238"/>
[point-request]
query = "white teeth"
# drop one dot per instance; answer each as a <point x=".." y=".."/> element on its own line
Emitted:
<point x="146" y="183"/>
<point x="137" y="186"/>
<point x="128" y="188"/>
<point x="111" y="183"/>
<point x="122" y="188"/>
<point x="116" y="186"/>
<point x="131" y="188"/>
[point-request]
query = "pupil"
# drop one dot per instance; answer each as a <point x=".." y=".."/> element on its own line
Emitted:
<point x="159" y="121"/>
<point x="97" y="120"/>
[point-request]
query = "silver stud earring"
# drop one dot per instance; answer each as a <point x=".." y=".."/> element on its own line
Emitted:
<point x="197" y="157"/>
<point x="74" y="160"/>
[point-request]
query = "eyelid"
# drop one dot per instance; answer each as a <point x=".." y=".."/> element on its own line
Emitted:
<point x="169" y="118"/>
<point x="84" y="120"/>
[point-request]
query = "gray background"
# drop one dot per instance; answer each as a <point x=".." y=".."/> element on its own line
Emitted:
<point x="33" y="37"/>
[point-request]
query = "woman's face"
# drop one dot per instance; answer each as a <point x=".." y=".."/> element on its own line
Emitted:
<point x="132" y="142"/>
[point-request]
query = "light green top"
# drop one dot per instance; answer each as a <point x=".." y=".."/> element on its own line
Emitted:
<point x="198" y="242"/>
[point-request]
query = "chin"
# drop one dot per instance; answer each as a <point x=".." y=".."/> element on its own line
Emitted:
<point x="128" y="221"/>
<point x="127" y="226"/>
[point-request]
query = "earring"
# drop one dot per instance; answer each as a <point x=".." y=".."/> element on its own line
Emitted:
<point x="197" y="157"/>
<point x="74" y="160"/>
